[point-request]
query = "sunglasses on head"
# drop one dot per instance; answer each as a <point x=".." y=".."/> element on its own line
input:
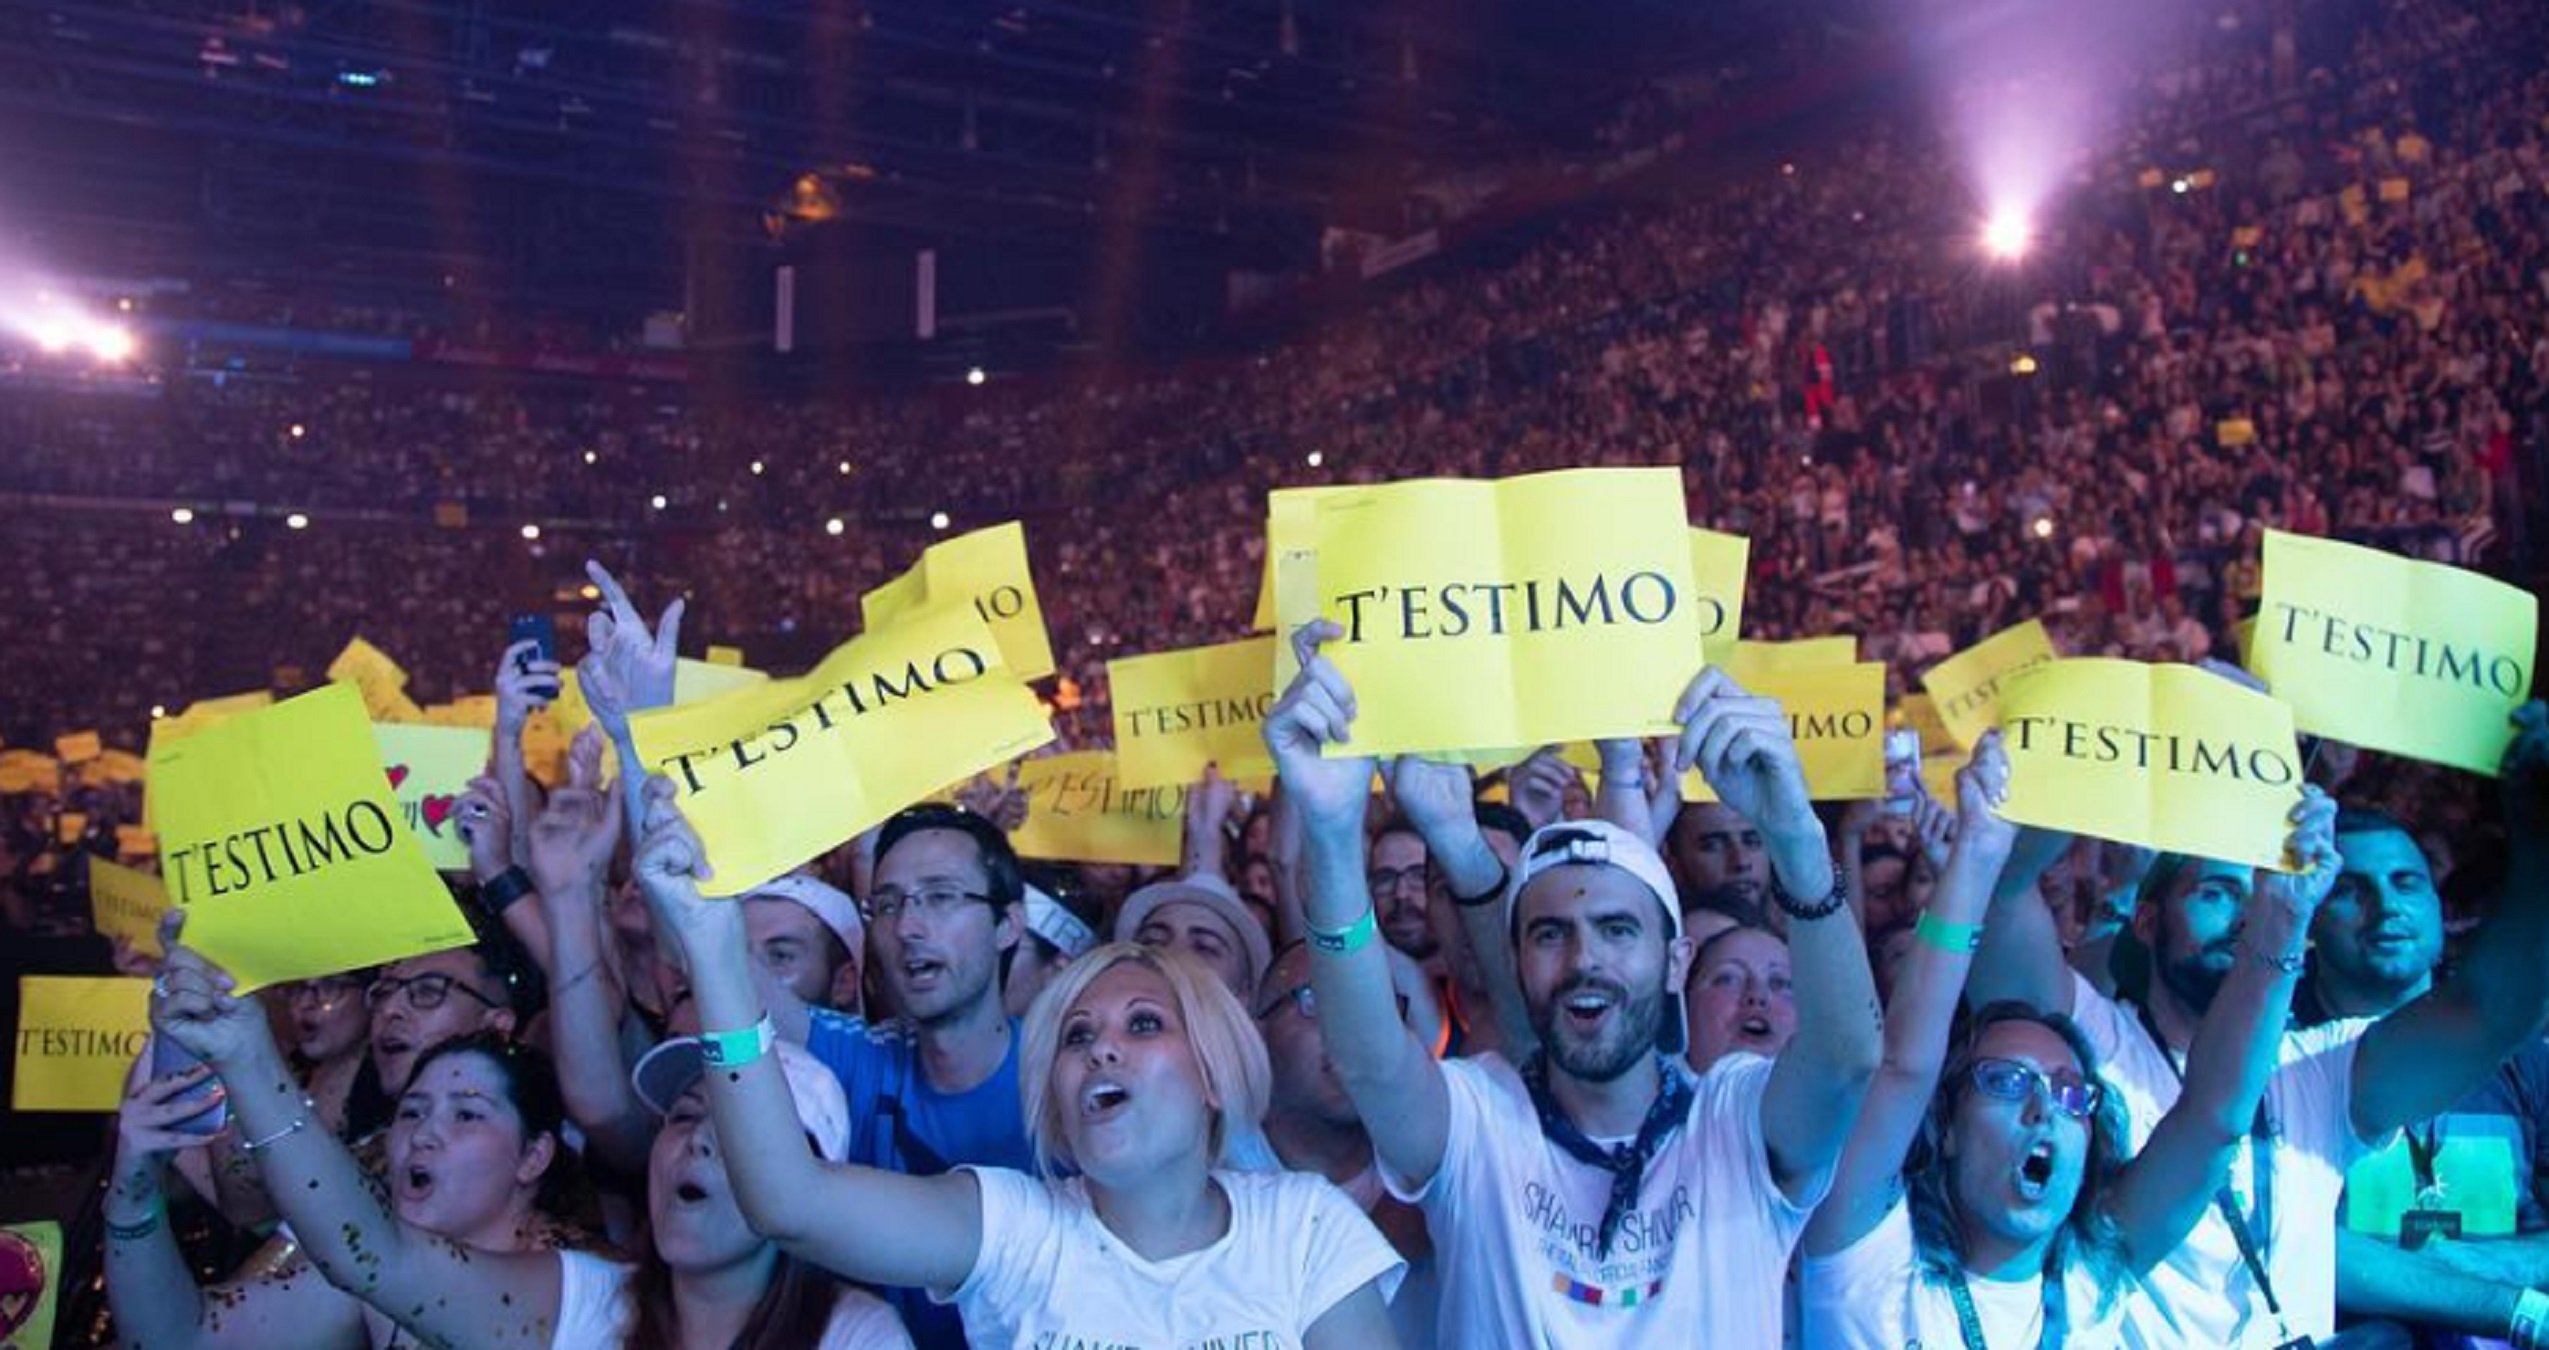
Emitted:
<point x="2013" y="1080"/>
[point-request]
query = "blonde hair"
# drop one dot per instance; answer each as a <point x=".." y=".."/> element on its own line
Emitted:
<point x="1228" y="1050"/>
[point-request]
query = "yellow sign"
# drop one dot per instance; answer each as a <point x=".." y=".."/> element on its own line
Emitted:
<point x="776" y="772"/>
<point x="279" y="835"/>
<point x="725" y="656"/>
<point x="1551" y="607"/>
<point x="693" y="682"/>
<point x="1755" y="660"/>
<point x="1176" y="712"/>
<point x="2166" y="756"/>
<point x="1079" y="811"/>
<point x="1292" y="524"/>
<point x="1966" y="687"/>
<point x="470" y="710"/>
<point x="2233" y="432"/>
<point x="1836" y="713"/>
<point x="2394" y="189"/>
<point x="429" y="767"/>
<point x="2375" y="650"/>
<point x="988" y="570"/>
<point x="1719" y="564"/>
<point x="120" y="766"/>
<point x="1919" y="714"/>
<point x="382" y="682"/>
<point x="27" y="771"/>
<point x="135" y="841"/>
<point x="78" y="748"/>
<point x="126" y="903"/>
<point x="30" y="1283"/>
<point x="69" y="826"/>
<point x="77" y="1038"/>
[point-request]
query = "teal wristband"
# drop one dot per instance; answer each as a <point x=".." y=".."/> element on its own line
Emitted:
<point x="1354" y="937"/>
<point x="734" y="1049"/>
<point x="1962" y="939"/>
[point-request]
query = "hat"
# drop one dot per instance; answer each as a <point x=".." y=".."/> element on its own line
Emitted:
<point x="1051" y="920"/>
<point x="1599" y="843"/>
<point x="837" y="911"/>
<point x="1212" y="893"/>
<point x="669" y="1069"/>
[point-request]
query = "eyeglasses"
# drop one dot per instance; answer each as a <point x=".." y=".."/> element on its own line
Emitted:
<point x="327" y="991"/>
<point x="1387" y="880"/>
<point x="2013" y="1081"/>
<point x="930" y="902"/>
<point x="424" y="992"/>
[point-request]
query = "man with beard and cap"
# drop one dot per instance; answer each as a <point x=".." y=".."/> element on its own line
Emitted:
<point x="2260" y="1270"/>
<point x="1597" y="1194"/>
<point x="2445" y="1233"/>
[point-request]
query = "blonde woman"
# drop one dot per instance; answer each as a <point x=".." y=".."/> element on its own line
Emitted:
<point x="1138" y="1067"/>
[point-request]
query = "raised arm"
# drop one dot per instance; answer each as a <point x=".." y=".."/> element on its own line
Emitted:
<point x="1922" y="1010"/>
<point x="1208" y="806"/>
<point x="2021" y="957"/>
<point x="627" y="668"/>
<point x="2161" y="1195"/>
<point x="1394" y="1083"/>
<point x="833" y="1216"/>
<point x="1743" y="746"/>
<point x="1439" y="800"/>
<point x="448" y="1295"/>
<point x="2417" y="1061"/>
<point x="570" y="850"/>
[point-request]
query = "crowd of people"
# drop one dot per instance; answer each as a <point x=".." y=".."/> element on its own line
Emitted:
<point x="1546" y="1064"/>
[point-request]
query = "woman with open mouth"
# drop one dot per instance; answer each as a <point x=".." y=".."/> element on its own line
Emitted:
<point x="1138" y="1068"/>
<point x="474" y="1144"/>
<point x="2017" y="1220"/>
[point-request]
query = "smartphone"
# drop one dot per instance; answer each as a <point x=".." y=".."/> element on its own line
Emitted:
<point x="167" y="1057"/>
<point x="542" y="629"/>
<point x="1902" y="769"/>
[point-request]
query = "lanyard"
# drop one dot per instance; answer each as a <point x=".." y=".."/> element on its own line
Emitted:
<point x="1969" y="1323"/>
<point x="2261" y="1165"/>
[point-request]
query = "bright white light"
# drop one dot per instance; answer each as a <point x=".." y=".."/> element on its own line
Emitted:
<point x="184" y="515"/>
<point x="158" y="711"/>
<point x="845" y="468"/>
<point x="657" y="500"/>
<point x="2179" y="186"/>
<point x="297" y="521"/>
<point x="590" y="457"/>
<point x="2005" y="235"/>
<point x="298" y="431"/>
<point x="1315" y="459"/>
<point x="834" y="526"/>
<point x="530" y="531"/>
<point x="590" y="591"/>
<point x="938" y="520"/>
<point x="112" y="344"/>
<point x="756" y="468"/>
<point x="2043" y="527"/>
<point x="58" y="325"/>
<point x="975" y="376"/>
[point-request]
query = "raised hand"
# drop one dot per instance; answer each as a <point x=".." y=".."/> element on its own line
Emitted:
<point x="1210" y="802"/>
<point x="670" y="863"/>
<point x="524" y="684"/>
<point x="1742" y="745"/>
<point x="2312" y="848"/>
<point x="192" y="1004"/>
<point x="573" y="836"/>
<point x="1318" y="710"/>
<point x="1437" y="798"/>
<point x="1982" y="788"/>
<point x="1003" y="803"/>
<point x="486" y="826"/>
<point x="145" y="1126"/>
<point x="1538" y="786"/>
<point x="627" y="669"/>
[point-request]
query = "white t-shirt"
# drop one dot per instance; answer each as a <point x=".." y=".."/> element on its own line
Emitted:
<point x="1870" y="1296"/>
<point x="597" y="1312"/>
<point x="1515" y="1223"/>
<point x="2203" y="1295"/>
<point x="1051" y="1274"/>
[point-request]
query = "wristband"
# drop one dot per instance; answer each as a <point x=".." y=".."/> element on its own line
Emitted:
<point x="2289" y="965"/>
<point x="1493" y="893"/>
<point x="1354" y="937"/>
<point x="500" y="892"/>
<point x="734" y="1049"/>
<point x="1822" y="909"/>
<point x="135" y="1232"/>
<point x="2529" y="1329"/>
<point x="1960" y="939"/>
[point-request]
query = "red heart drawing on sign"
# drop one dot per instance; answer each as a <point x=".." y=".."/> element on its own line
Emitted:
<point x="436" y="810"/>
<point x="22" y="1283"/>
<point x="397" y="775"/>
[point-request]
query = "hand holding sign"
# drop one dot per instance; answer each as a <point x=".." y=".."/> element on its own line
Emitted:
<point x="194" y="1003"/>
<point x="574" y="835"/>
<point x="146" y="1125"/>
<point x="1982" y="787"/>
<point x="628" y="668"/>
<point x="670" y="862"/>
<point x="1743" y="747"/>
<point x="1436" y="797"/>
<point x="1317" y="711"/>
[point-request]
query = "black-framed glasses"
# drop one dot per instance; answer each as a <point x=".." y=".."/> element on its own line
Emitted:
<point x="1387" y="880"/>
<point x="930" y="902"/>
<point x="424" y="992"/>
<point x="2013" y="1081"/>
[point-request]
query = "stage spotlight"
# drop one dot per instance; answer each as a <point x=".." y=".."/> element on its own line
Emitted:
<point x="2043" y="527"/>
<point x="158" y="711"/>
<point x="112" y="343"/>
<point x="2005" y="235"/>
<point x="297" y="521"/>
<point x="834" y="527"/>
<point x="530" y="531"/>
<point x="938" y="520"/>
<point x="656" y="501"/>
<point x="184" y="515"/>
<point x="1315" y="459"/>
<point x="756" y="468"/>
<point x="975" y="376"/>
<point x="590" y="457"/>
